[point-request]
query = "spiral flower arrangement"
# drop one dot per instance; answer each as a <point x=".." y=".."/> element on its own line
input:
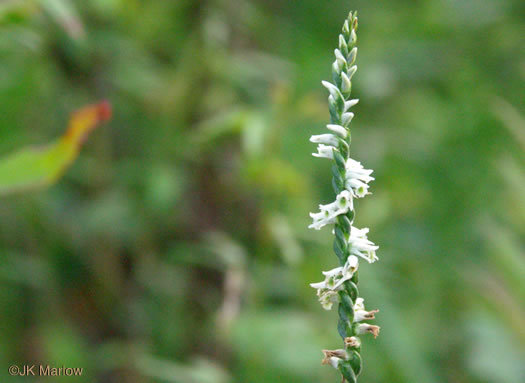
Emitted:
<point x="350" y="180"/>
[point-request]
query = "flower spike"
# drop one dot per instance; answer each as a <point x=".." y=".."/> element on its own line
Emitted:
<point x="350" y="181"/>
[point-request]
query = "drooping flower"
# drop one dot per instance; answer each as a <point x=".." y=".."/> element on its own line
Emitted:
<point x="360" y="246"/>
<point x="342" y="204"/>
<point x="357" y="178"/>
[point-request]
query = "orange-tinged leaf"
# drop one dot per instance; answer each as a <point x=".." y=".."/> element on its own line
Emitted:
<point x="35" y="167"/>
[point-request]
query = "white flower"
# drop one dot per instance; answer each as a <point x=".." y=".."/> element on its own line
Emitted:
<point x="336" y="66"/>
<point x="324" y="151"/>
<point x="357" y="178"/>
<point x="359" y="304"/>
<point x="327" y="139"/>
<point x="363" y="328"/>
<point x="346" y="118"/>
<point x="349" y="104"/>
<point x="342" y="204"/>
<point x="333" y="361"/>
<point x="334" y="91"/>
<point x="334" y="279"/>
<point x="338" y="129"/>
<point x="360" y="246"/>
<point x="346" y="85"/>
<point x="360" y="313"/>
<point x="327" y="298"/>
<point x="339" y="56"/>
<point x="350" y="267"/>
<point x="334" y="357"/>
<point x="342" y="43"/>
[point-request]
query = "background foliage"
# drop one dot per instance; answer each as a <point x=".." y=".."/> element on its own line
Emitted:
<point x="176" y="249"/>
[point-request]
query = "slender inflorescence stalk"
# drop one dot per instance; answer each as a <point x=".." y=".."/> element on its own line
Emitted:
<point x="350" y="180"/>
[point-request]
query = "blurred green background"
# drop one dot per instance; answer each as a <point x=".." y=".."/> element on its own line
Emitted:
<point x="176" y="248"/>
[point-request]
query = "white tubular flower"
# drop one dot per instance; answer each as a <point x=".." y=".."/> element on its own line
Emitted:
<point x="337" y="129"/>
<point x="346" y="85"/>
<point x="342" y="204"/>
<point x="360" y="246"/>
<point x="334" y="279"/>
<point x="342" y="43"/>
<point x="334" y="91"/>
<point x="327" y="139"/>
<point x="360" y="313"/>
<point x="357" y="178"/>
<point x="349" y="104"/>
<point x="334" y="357"/>
<point x="324" y="151"/>
<point x="364" y="328"/>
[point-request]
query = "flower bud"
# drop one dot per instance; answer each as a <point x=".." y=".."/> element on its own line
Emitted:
<point x="351" y="56"/>
<point x="342" y="44"/>
<point x="346" y="85"/>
